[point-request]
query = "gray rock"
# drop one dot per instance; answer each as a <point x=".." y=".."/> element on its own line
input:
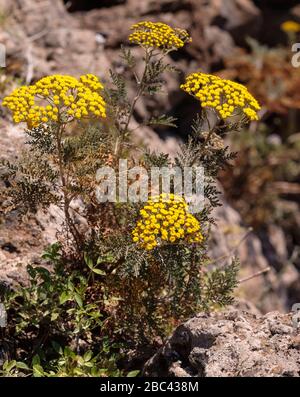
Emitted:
<point x="230" y="344"/>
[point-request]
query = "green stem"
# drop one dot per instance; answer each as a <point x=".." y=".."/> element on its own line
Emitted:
<point x="66" y="199"/>
<point x="141" y="87"/>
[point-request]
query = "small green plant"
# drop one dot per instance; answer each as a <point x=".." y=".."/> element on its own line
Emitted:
<point x="57" y="326"/>
<point x="67" y="363"/>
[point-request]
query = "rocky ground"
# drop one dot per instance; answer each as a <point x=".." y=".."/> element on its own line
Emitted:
<point x="230" y="344"/>
<point x="47" y="36"/>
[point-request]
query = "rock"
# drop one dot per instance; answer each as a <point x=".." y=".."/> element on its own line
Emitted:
<point x="235" y="14"/>
<point x="279" y="3"/>
<point x="296" y="11"/>
<point x="113" y="25"/>
<point x="38" y="18"/>
<point x="160" y="6"/>
<point x="230" y="344"/>
<point x="219" y="42"/>
<point x="79" y="5"/>
<point x="230" y="238"/>
<point x="75" y="40"/>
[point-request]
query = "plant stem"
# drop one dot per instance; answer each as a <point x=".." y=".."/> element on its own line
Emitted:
<point x="260" y="273"/>
<point x="66" y="200"/>
<point x="141" y="86"/>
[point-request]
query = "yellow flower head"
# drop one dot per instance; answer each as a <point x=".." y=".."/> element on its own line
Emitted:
<point x="290" y="26"/>
<point x="166" y="219"/>
<point x="225" y="97"/>
<point x="57" y="98"/>
<point x="158" y="35"/>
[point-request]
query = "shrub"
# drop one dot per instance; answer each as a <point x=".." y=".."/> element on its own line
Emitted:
<point x="123" y="271"/>
<point x="55" y="325"/>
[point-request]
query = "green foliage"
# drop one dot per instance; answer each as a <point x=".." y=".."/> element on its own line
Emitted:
<point x="221" y="283"/>
<point x="127" y="57"/>
<point x="57" y="326"/>
<point x="67" y="363"/>
<point x="163" y="120"/>
<point x="31" y="183"/>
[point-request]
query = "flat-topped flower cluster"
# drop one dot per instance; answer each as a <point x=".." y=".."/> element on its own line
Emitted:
<point x="165" y="218"/>
<point x="158" y="35"/>
<point x="226" y="97"/>
<point x="57" y="98"/>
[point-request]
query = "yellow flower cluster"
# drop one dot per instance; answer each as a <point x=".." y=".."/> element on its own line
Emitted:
<point x="290" y="26"/>
<point x="226" y="97"/>
<point x="57" y="98"/>
<point x="165" y="218"/>
<point x="159" y="35"/>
